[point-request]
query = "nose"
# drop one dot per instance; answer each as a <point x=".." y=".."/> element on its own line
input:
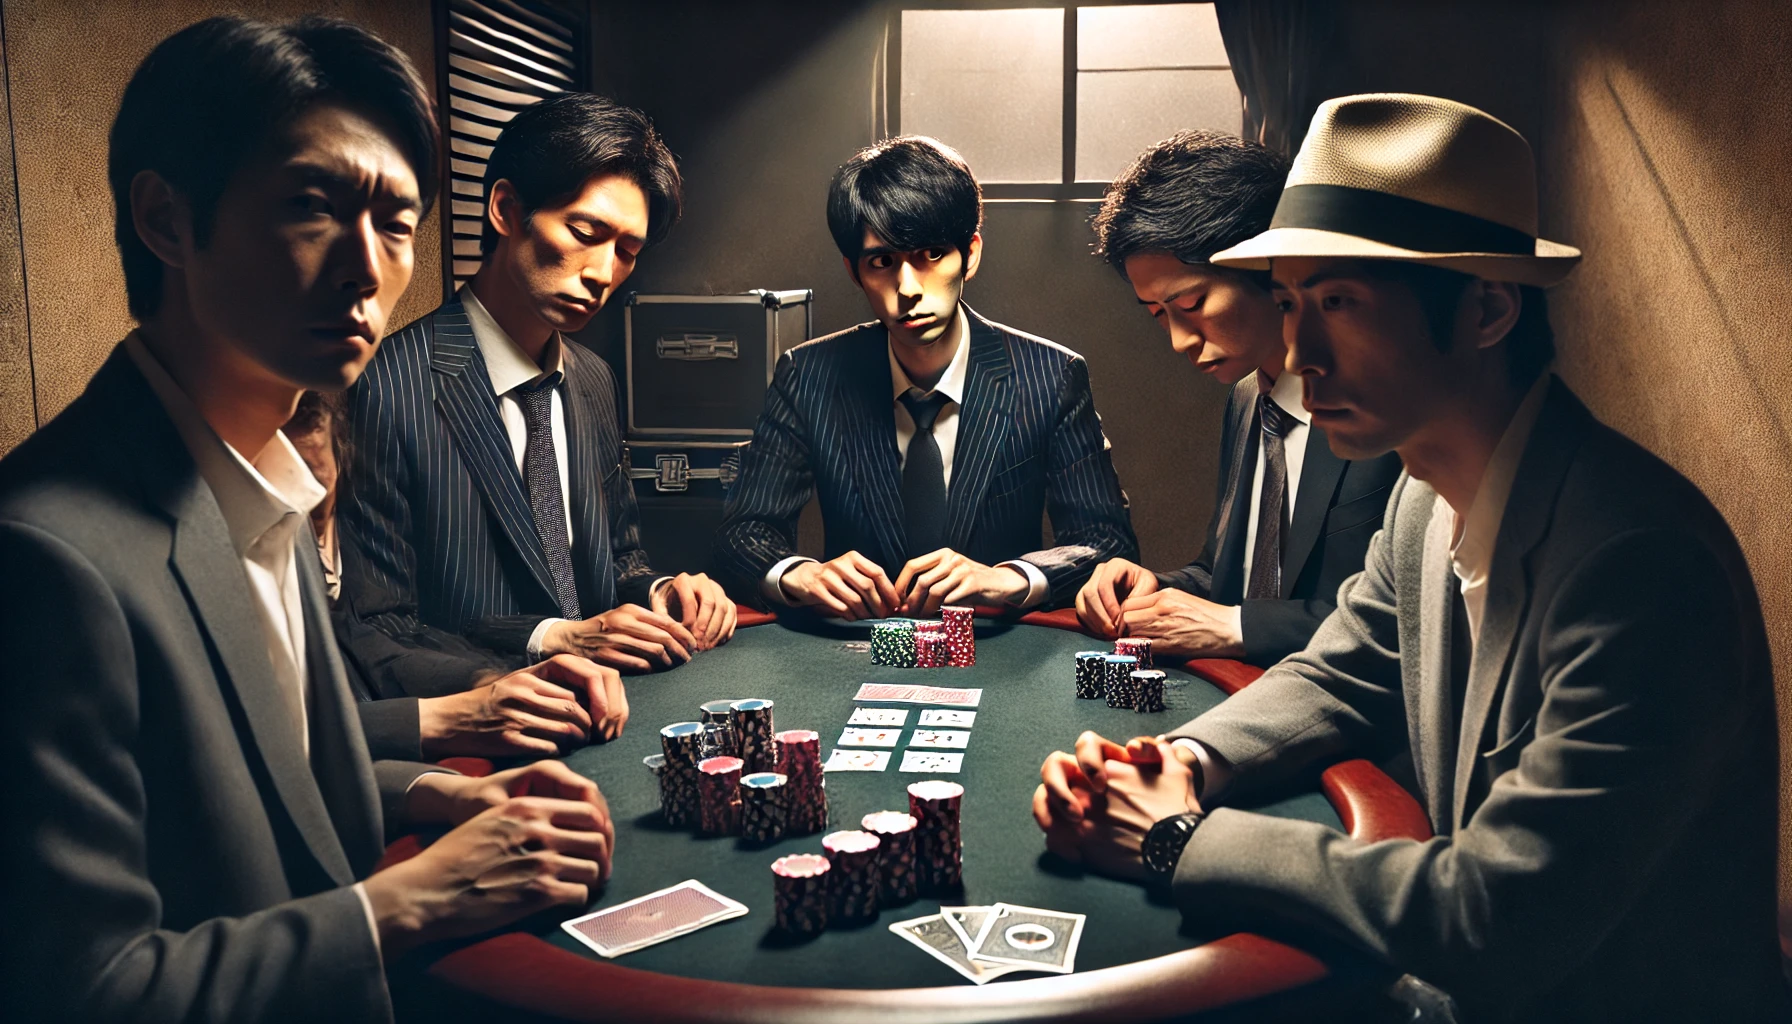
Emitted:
<point x="1185" y="341"/>
<point x="1309" y="347"/>
<point x="359" y="266"/>
<point x="908" y="283"/>
<point x="600" y="270"/>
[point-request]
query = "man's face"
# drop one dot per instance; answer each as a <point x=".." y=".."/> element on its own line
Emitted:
<point x="1373" y="378"/>
<point x="1221" y="322"/>
<point x="570" y="259"/>
<point x="310" y="248"/>
<point x="915" y="293"/>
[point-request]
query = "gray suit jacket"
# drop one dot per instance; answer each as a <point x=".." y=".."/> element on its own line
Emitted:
<point x="1601" y="779"/>
<point x="170" y="853"/>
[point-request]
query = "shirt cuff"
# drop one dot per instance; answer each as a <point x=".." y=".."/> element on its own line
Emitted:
<point x="654" y="587"/>
<point x="1038" y="588"/>
<point x="1215" y="772"/>
<point x="773" y="584"/>
<point x="373" y="924"/>
<point x="539" y="637"/>
<point x="1235" y="615"/>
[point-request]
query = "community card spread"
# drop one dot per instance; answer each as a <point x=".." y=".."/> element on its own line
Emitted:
<point x="857" y="761"/>
<point x="950" y="739"/>
<point x="966" y="922"/>
<point x="932" y="934"/>
<point x="851" y="737"/>
<point x="948" y="719"/>
<point x="931" y="761"/>
<point x="908" y="693"/>
<point x="897" y="717"/>
<point x="1040" y="940"/>
<point x="653" y="918"/>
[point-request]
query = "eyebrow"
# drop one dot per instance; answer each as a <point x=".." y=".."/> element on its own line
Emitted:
<point x="320" y="175"/>
<point x="1172" y="297"/>
<point x="596" y="221"/>
<point x="1320" y="277"/>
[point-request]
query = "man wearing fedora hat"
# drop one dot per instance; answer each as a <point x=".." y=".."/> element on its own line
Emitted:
<point x="1553" y="628"/>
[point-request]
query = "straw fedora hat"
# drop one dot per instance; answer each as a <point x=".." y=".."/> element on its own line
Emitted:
<point x="1394" y="176"/>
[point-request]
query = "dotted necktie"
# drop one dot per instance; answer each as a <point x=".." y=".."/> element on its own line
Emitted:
<point x="924" y="476"/>
<point x="541" y="474"/>
<point x="1272" y="507"/>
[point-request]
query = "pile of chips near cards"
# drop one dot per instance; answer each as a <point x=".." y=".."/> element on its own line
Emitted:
<point x="961" y="639"/>
<point x="1119" y="670"/>
<point x="1091" y="675"/>
<point x="681" y="744"/>
<point x="718" y="796"/>
<point x="764" y="808"/>
<point x="930" y="646"/>
<point x="703" y="765"/>
<point x="893" y="643"/>
<point x="805" y="791"/>
<point x="984" y="943"/>
<point x="1148" y="690"/>
<point x="895" y="832"/>
<point x="860" y="872"/>
<point x="718" y="728"/>
<point x="753" y="730"/>
<point x="854" y="880"/>
<point x="939" y="843"/>
<point x="653" y="918"/>
<point x="1138" y="647"/>
<point x="800" y="897"/>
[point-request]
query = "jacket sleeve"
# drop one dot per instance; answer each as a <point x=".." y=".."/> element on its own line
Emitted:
<point x="759" y="521"/>
<point x="426" y="662"/>
<point x="1197" y="576"/>
<point x="76" y="846"/>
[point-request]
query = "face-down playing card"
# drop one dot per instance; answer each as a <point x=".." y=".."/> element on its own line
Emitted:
<point x="653" y="918"/>
<point x="1040" y="940"/>
<point x="932" y="934"/>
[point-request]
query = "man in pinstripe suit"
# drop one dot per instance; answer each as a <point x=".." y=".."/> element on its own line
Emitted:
<point x="936" y="440"/>
<point x="485" y="496"/>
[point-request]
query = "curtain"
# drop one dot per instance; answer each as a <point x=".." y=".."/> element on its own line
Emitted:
<point x="1278" y="50"/>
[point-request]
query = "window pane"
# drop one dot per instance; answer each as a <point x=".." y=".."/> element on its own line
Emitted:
<point x="1119" y="113"/>
<point x="990" y="84"/>
<point x="1148" y="36"/>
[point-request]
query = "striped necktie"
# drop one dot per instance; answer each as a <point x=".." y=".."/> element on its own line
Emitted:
<point x="541" y="474"/>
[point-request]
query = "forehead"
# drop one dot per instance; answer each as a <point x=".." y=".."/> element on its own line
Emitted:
<point x="1157" y="276"/>
<point x="615" y="200"/>
<point x="1293" y="272"/>
<point x="347" y="145"/>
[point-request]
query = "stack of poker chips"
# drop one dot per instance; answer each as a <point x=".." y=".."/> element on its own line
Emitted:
<point x="681" y="742"/>
<point x="853" y="878"/>
<point x="762" y="810"/>
<point x="1148" y="690"/>
<point x="718" y="796"/>
<point x="805" y="791"/>
<point x="930" y="649"/>
<point x="895" y="855"/>
<point x="717" y="714"/>
<point x="939" y="845"/>
<point x="893" y="643"/>
<point x="1091" y="675"/>
<point x="961" y="640"/>
<point x="752" y="720"/>
<point x="800" y="893"/>
<point x="1119" y="668"/>
<point x="1137" y="646"/>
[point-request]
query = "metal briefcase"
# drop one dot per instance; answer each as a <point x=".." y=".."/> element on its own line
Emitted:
<point x="680" y="487"/>
<point x="698" y="365"/>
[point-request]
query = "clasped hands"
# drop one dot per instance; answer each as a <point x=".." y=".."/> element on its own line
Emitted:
<point x="854" y="587"/>
<point x="690" y="613"/>
<point x="558" y="705"/>
<point x="1122" y="598"/>
<point x="1095" y="806"/>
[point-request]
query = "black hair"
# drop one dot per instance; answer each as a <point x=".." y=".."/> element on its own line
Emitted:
<point x="911" y="191"/>
<point x="551" y="150"/>
<point x="1191" y="195"/>
<point x="211" y="97"/>
<point x="1530" y="344"/>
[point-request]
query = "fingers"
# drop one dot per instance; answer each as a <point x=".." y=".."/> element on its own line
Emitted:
<point x="863" y="585"/>
<point x="652" y="648"/>
<point x="1061" y="778"/>
<point x="730" y="619"/>
<point x="686" y="589"/>
<point x="1093" y="752"/>
<point x="545" y="700"/>
<point x="610" y="725"/>
<point x="707" y="617"/>
<point x="885" y="594"/>
<point x="1042" y="811"/>
<point x="617" y="658"/>
<point x="1109" y="598"/>
<point x="546" y="726"/>
<point x="1145" y="750"/>
<point x="1089" y="610"/>
<point x="922" y="598"/>
<point x="514" y="741"/>
<point x="849" y="599"/>
<point x="914" y="567"/>
<point x="647" y="625"/>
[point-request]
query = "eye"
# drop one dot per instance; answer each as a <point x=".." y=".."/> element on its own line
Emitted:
<point x="583" y="236"/>
<point x="1284" y="306"/>
<point x="879" y="262"/>
<point x="400" y="228"/>
<point x="935" y="254"/>
<point x="310" y="204"/>
<point x="1157" y="312"/>
<point x="1333" y="302"/>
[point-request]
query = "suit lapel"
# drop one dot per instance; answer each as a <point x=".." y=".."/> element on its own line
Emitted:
<point x="983" y="423"/>
<point x="585" y="476"/>
<point x="863" y="400"/>
<point x="1234" y="508"/>
<point x="464" y="394"/>
<point x="1319" y="476"/>
<point x="1435" y="760"/>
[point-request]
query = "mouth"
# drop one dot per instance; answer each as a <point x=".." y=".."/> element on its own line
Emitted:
<point x="578" y="305"/>
<point x="1323" y="414"/>
<point x="918" y="321"/>
<point x="350" y="330"/>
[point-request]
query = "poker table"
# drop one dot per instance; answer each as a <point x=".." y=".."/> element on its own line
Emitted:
<point x="1137" y="960"/>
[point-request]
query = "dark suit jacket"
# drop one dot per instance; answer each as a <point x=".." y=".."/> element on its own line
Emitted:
<point x="1338" y="508"/>
<point x="169" y="851"/>
<point x="436" y="524"/>
<point x="1029" y="442"/>
<point x="1601" y="775"/>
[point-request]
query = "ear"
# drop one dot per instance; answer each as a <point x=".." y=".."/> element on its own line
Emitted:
<point x="974" y="258"/>
<point x="161" y="218"/>
<point x="504" y="209"/>
<point x="1494" y="306"/>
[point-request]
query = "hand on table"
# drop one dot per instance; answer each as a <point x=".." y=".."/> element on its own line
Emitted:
<point x="560" y="704"/>
<point x="629" y="637"/>
<point x="1096" y="806"/>
<point x="700" y="606"/>
<point x="1098" y="604"/>
<point x="946" y="577"/>
<point x="1182" y="624"/>
<point x="851" y="586"/>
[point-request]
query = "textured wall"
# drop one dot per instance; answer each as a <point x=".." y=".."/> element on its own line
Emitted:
<point x="67" y="64"/>
<point x="18" y="404"/>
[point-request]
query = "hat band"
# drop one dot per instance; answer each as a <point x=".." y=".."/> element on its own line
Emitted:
<point x="1395" y="220"/>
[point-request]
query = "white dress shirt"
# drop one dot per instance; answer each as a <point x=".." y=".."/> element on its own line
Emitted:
<point x="1286" y="393"/>
<point x="945" y="434"/>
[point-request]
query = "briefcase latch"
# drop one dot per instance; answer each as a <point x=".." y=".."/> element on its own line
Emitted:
<point x="696" y="348"/>
<point x="672" y="473"/>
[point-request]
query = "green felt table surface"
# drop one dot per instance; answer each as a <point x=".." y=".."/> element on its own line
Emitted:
<point x="811" y="673"/>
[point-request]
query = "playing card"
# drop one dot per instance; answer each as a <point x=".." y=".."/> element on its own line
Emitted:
<point x="930" y="761"/>
<point x="653" y="918"/>
<point x="897" y="717"/>
<point x="857" y="761"/>
<point x="966" y="923"/>
<point x="906" y="693"/>
<point x="949" y="719"/>
<point x="951" y="739"/>
<point x="932" y="934"/>
<point x="1041" y="940"/>
<point x="851" y="737"/>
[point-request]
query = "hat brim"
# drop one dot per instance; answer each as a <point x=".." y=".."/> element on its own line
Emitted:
<point x="1550" y="264"/>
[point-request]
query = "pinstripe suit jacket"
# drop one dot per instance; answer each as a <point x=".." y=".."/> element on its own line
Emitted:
<point x="437" y="529"/>
<point x="1029" y="442"/>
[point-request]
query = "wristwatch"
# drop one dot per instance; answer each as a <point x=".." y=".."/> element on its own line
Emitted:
<point x="1163" y="844"/>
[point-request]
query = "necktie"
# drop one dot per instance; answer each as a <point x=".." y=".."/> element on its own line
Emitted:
<point x="541" y="473"/>
<point x="1272" y="507"/>
<point x="924" y="476"/>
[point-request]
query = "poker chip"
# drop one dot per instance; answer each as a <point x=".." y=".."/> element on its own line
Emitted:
<point x="961" y="638"/>
<point x="884" y="643"/>
<point x="717" y="715"/>
<point x="930" y="649"/>
<point x="805" y="791"/>
<point x="1137" y="646"/>
<point x="895" y="855"/>
<point x="1148" y="690"/>
<point x="902" y="650"/>
<point x="1118" y="682"/>
<point x="718" y="796"/>
<point x="853" y="878"/>
<point x="939" y="845"/>
<point x="800" y="896"/>
<point x="681" y="746"/>
<point x="1091" y="675"/>
<point x="752" y="721"/>
<point x="762" y="806"/>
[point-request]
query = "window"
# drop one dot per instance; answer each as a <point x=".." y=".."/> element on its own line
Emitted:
<point x="1051" y="102"/>
<point x="495" y="57"/>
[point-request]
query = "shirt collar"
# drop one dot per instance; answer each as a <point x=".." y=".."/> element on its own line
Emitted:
<point x="1286" y="392"/>
<point x="505" y="361"/>
<point x="952" y="381"/>
<point x="1472" y="551"/>
<point x="254" y="495"/>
